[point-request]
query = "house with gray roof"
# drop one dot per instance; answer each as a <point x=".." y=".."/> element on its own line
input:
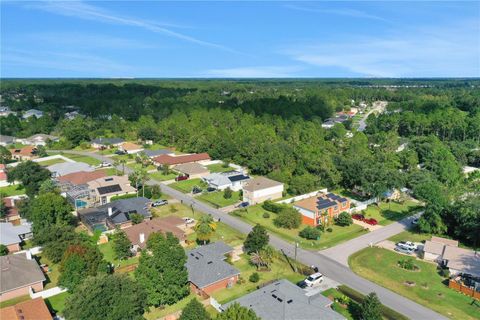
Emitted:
<point x="64" y="168"/>
<point x="234" y="180"/>
<point x="39" y="139"/>
<point x="102" y="143"/>
<point x="32" y="113"/>
<point x="12" y="236"/>
<point x="282" y="300"/>
<point x="207" y="269"/>
<point x="6" y="140"/>
<point x="156" y="153"/>
<point x="20" y="273"/>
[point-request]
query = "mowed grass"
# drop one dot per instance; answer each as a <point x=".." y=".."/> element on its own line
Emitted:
<point x="186" y="186"/>
<point x="79" y="158"/>
<point x="54" y="273"/>
<point x="50" y="162"/>
<point x="380" y="266"/>
<point x="217" y="199"/>
<point x="138" y="166"/>
<point x="56" y="303"/>
<point x="158" y="313"/>
<point x="387" y="213"/>
<point x="219" y="167"/>
<point x="14" y="301"/>
<point x="12" y="190"/>
<point x="410" y="235"/>
<point x="109" y="255"/>
<point x="254" y="215"/>
<point x="159" y="176"/>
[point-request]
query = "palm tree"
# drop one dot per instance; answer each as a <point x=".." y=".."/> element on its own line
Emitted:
<point x="257" y="260"/>
<point x="205" y="228"/>
<point x="122" y="162"/>
<point x="140" y="175"/>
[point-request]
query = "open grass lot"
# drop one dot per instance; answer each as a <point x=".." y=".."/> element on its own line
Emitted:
<point x="56" y="303"/>
<point x="280" y="269"/>
<point x="136" y="166"/>
<point x="380" y="266"/>
<point x="219" y="167"/>
<point x="216" y="198"/>
<point x="186" y="186"/>
<point x="109" y="255"/>
<point x="159" y="176"/>
<point x="14" y="301"/>
<point x="50" y="162"/>
<point x="254" y="215"/>
<point x="79" y="158"/>
<point x="12" y="190"/>
<point x="387" y="213"/>
<point x="127" y="157"/>
<point x="52" y="276"/>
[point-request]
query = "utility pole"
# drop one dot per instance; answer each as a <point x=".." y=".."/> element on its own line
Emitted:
<point x="296" y="246"/>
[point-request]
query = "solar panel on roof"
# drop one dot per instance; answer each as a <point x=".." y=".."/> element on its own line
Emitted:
<point x="109" y="189"/>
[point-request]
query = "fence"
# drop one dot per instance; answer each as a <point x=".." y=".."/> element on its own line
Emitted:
<point x="452" y="284"/>
<point x="214" y="303"/>
<point x="46" y="293"/>
<point x="303" y="196"/>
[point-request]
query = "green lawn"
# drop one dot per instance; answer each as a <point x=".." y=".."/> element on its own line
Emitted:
<point x="254" y="215"/>
<point x="14" y="301"/>
<point x="50" y="162"/>
<point x="113" y="172"/>
<point x="128" y="157"/>
<point x="219" y="167"/>
<point x="380" y="266"/>
<point x="344" y="311"/>
<point x="186" y="186"/>
<point x="56" y="303"/>
<point x="79" y="158"/>
<point x="159" y="176"/>
<point x="158" y="313"/>
<point x="410" y="235"/>
<point x="135" y="166"/>
<point x="12" y="190"/>
<point x="108" y="254"/>
<point x="52" y="276"/>
<point x="216" y="199"/>
<point x="387" y="213"/>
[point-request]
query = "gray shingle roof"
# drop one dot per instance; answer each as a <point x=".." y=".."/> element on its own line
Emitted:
<point x="156" y="153"/>
<point x="18" y="271"/>
<point x="206" y="264"/>
<point x="10" y="233"/>
<point x="61" y="169"/>
<point x="7" y="139"/>
<point x="284" y="300"/>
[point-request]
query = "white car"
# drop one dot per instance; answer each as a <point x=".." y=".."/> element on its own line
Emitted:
<point x="407" y="245"/>
<point x="188" y="220"/>
<point x="314" y="279"/>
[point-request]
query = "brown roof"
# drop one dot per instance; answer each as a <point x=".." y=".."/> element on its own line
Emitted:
<point x="82" y="177"/>
<point x="449" y="242"/>
<point x="25" y="151"/>
<point x="433" y="247"/>
<point x="308" y="203"/>
<point x="147" y="227"/>
<point x="191" y="168"/>
<point x="260" y="183"/>
<point x="172" y="160"/>
<point x="10" y="207"/>
<point x="131" y="146"/>
<point x="35" y="309"/>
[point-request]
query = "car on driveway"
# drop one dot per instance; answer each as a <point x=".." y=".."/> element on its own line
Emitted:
<point x="196" y="190"/>
<point x="120" y="152"/>
<point x="302" y="284"/>
<point x="314" y="279"/>
<point x="159" y="203"/>
<point x="371" y="221"/>
<point x="358" y="216"/>
<point x="403" y="250"/>
<point x="407" y="245"/>
<point x="188" y="220"/>
<point x="181" y="178"/>
<point x="243" y="205"/>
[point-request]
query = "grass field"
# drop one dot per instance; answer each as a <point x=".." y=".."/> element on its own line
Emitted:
<point x="216" y="199"/>
<point x="52" y="276"/>
<point x="57" y="302"/>
<point x="186" y="186"/>
<point x="159" y="176"/>
<point x="50" y="162"/>
<point x="380" y="266"/>
<point x="79" y="158"/>
<point x="12" y="190"/>
<point x="219" y="167"/>
<point x="108" y="254"/>
<point x="338" y="235"/>
<point x="410" y="235"/>
<point x="135" y="166"/>
<point x="387" y="213"/>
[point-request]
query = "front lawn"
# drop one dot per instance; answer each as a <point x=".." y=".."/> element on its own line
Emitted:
<point x="56" y="303"/>
<point x="254" y="215"/>
<point x="410" y="235"/>
<point x="219" y="167"/>
<point x="86" y="159"/>
<point x="346" y="311"/>
<point x="12" y="190"/>
<point x="217" y="200"/>
<point x="138" y="166"/>
<point x="387" y="213"/>
<point x="50" y="162"/>
<point x="107" y="250"/>
<point x="186" y="186"/>
<point x="429" y="289"/>
<point x="159" y="176"/>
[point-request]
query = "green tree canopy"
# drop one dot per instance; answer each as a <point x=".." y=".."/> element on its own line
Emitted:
<point x="30" y="174"/>
<point x="121" y="245"/>
<point x="194" y="310"/>
<point x="257" y="239"/>
<point x="370" y="309"/>
<point x="237" y="312"/>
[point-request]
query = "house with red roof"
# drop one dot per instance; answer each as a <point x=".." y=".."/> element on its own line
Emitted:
<point x="172" y="160"/>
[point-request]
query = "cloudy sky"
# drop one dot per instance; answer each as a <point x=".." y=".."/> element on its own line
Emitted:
<point x="240" y="39"/>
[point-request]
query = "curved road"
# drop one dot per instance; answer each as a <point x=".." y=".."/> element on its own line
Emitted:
<point x="331" y="262"/>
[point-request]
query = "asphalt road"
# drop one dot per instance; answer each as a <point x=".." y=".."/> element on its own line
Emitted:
<point x="327" y="262"/>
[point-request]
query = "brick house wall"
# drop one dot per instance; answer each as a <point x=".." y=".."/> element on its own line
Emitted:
<point x="206" y="291"/>
<point x="14" y="247"/>
<point x="21" y="291"/>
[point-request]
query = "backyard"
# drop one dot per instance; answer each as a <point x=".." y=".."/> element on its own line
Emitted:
<point x="186" y="186"/>
<point x="109" y="255"/>
<point x="254" y="215"/>
<point x="219" y="167"/>
<point x="387" y="213"/>
<point x="12" y="190"/>
<point x="53" y="273"/>
<point x="216" y="198"/>
<point x="428" y="288"/>
<point x="158" y="313"/>
<point x="56" y="303"/>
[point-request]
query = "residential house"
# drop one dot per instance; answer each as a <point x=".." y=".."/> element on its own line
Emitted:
<point x="434" y="248"/>
<point x="20" y="273"/>
<point x="12" y="236"/>
<point x="35" y="309"/>
<point x="130" y="148"/>
<point x="79" y="177"/>
<point x="158" y="152"/>
<point x="39" y="139"/>
<point x="467" y="170"/>
<point x="115" y="214"/>
<point x="32" y="113"/>
<point x="192" y="170"/>
<point x="138" y="234"/>
<point x="7" y="140"/>
<point x="322" y="208"/>
<point x="24" y="153"/>
<point x="172" y="160"/>
<point x="260" y="189"/>
<point x="282" y="300"/>
<point x="207" y="269"/>
<point x="72" y="115"/>
<point x="103" y="189"/>
<point x="3" y="176"/>
<point x="64" y="168"/>
<point x="5" y="111"/>
<point x="74" y="186"/>
<point x="104" y="143"/>
<point x="234" y="180"/>
<point x="12" y="214"/>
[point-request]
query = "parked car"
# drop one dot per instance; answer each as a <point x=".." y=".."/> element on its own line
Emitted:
<point x="371" y="221"/>
<point x="314" y="279"/>
<point x="407" y="245"/>
<point x="403" y="250"/>
<point x="120" y="152"/>
<point x="105" y="164"/>
<point x="188" y="220"/>
<point x="358" y="216"/>
<point x="159" y="203"/>
<point x="302" y="284"/>
<point x="181" y="178"/>
<point x="243" y="205"/>
<point x="211" y="189"/>
<point x="415" y="221"/>
<point x="196" y="190"/>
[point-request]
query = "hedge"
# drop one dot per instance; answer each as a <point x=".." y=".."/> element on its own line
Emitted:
<point x="356" y="296"/>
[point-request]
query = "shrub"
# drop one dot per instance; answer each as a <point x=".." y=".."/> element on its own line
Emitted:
<point x="254" y="277"/>
<point x="227" y="193"/>
<point x="320" y="227"/>
<point x="406" y="264"/>
<point x="310" y="233"/>
<point x="445" y="272"/>
<point x="240" y="280"/>
<point x="136" y="218"/>
<point x="288" y="218"/>
<point x="266" y="215"/>
<point x="272" y="207"/>
<point x="329" y="229"/>
<point x="344" y="219"/>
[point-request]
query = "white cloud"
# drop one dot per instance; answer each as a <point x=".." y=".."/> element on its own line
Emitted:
<point x="339" y="11"/>
<point x="255" y="72"/>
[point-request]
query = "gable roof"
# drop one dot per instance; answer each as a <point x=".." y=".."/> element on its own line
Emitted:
<point x="464" y="260"/>
<point x="433" y="247"/>
<point x="147" y="227"/>
<point x="130" y="146"/>
<point x="446" y="241"/>
<point x="111" y="185"/>
<point x="18" y="271"/>
<point x="206" y="264"/>
<point x="105" y="141"/>
<point x="10" y="233"/>
<point x="10" y="207"/>
<point x="284" y="300"/>
<point x="155" y="153"/>
<point x="320" y="202"/>
<point x="191" y="168"/>
<point x="34" y="309"/>
<point x="64" y="168"/>
<point x="82" y="177"/>
<point x="261" y="183"/>
<point x="172" y="160"/>
<point x="41" y="136"/>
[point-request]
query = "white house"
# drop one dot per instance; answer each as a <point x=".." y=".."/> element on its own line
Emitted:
<point x="32" y="112"/>
<point x="234" y="180"/>
<point x="260" y="189"/>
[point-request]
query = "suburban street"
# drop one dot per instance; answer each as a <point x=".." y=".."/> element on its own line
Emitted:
<point x="379" y="107"/>
<point x="331" y="262"/>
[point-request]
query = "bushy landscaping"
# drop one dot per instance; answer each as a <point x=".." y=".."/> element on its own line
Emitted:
<point x="424" y="286"/>
<point x="109" y="255"/>
<point x="12" y="190"/>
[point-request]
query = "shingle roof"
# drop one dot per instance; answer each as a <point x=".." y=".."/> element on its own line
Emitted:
<point x="147" y="227"/>
<point x="172" y="160"/>
<point x="206" y="264"/>
<point x="284" y="300"/>
<point x="261" y="183"/>
<point x="34" y="309"/>
<point x="7" y="139"/>
<point x="64" y="168"/>
<point x="433" y="247"/>
<point x="155" y="153"/>
<point x="130" y="146"/>
<point x="18" y="272"/>
<point x="10" y="233"/>
<point x="82" y="177"/>
<point x="191" y="168"/>
<point x="464" y="260"/>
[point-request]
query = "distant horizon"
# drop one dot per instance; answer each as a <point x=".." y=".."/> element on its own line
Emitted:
<point x="240" y="78"/>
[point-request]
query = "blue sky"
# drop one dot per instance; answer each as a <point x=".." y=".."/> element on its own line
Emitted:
<point x="240" y="39"/>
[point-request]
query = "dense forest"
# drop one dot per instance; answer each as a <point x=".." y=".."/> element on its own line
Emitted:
<point x="430" y="130"/>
